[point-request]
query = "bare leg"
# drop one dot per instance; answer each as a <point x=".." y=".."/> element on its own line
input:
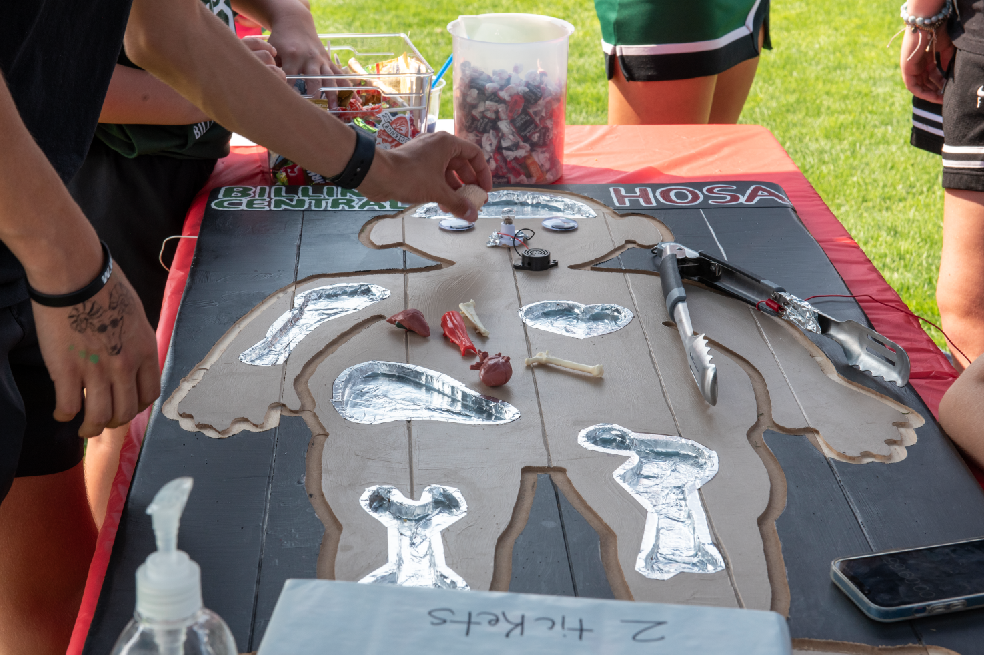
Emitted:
<point x="675" y="102"/>
<point x="102" y="458"/>
<point x="731" y="90"/>
<point x="959" y="292"/>
<point x="962" y="412"/>
<point x="47" y="538"/>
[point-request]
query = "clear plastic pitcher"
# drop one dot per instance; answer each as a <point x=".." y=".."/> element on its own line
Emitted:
<point x="510" y="92"/>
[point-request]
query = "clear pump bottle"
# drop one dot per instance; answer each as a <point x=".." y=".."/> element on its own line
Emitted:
<point x="170" y="618"/>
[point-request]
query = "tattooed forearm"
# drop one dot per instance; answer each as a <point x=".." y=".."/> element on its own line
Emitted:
<point x="107" y="322"/>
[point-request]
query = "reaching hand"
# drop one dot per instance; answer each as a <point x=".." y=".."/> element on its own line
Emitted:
<point x="106" y="347"/>
<point x="920" y="73"/>
<point x="429" y="169"/>
<point x="265" y="52"/>
<point x="301" y="52"/>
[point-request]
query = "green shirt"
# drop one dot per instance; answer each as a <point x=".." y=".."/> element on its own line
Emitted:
<point x="205" y="140"/>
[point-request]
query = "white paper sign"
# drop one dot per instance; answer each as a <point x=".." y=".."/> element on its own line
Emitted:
<point x="322" y="617"/>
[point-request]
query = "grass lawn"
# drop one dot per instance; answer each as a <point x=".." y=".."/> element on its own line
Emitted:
<point x="830" y="91"/>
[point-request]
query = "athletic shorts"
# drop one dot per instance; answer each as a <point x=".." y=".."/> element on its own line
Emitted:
<point x="927" y="125"/>
<point x="963" y="123"/>
<point x="659" y="40"/>
<point x="32" y="442"/>
<point x="134" y="205"/>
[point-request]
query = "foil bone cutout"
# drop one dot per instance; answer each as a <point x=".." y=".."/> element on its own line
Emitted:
<point x="663" y="473"/>
<point x="415" y="546"/>
<point x="311" y="308"/>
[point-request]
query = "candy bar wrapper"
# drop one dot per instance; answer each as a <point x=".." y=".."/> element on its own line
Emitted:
<point x="517" y="120"/>
<point x="287" y="173"/>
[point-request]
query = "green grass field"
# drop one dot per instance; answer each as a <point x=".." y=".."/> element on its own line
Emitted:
<point x="830" y="91"/>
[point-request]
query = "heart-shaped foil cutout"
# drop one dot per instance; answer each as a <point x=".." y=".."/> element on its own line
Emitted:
<point x="380" y="392"/>
<point x="572" y="319"/>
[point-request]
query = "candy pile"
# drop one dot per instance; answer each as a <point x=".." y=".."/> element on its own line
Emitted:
<point x="517" y="120"/>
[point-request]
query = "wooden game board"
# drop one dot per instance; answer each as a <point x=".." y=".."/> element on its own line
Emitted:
<point x="817" y="460"/>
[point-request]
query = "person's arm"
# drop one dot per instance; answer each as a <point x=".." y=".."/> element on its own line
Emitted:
<point x="962" y="411"/>
<point x="918" y="59"/>
<point x="184" y="45"/>
<point x="60" y="252"/>
<point x="136" y="97"/>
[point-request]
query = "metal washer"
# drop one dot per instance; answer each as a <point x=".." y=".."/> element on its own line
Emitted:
<point x="560" y="224"/>
<point x="455" y="225"/>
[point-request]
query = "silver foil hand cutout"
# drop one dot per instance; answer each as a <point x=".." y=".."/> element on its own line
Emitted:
<point x="663" y="473"/>
<point x="416" y="549"/>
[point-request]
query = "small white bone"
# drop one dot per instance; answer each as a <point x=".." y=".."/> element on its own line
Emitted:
<point x="474" y="194"/>
<point x="468" y="311"/>
<point x="545" y="358"/>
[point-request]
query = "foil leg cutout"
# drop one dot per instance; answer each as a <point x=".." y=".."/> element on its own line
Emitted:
<point x="663" y="473"/>
<point x="416" y="549"/>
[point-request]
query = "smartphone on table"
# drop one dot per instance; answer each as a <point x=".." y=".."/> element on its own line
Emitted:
<point x="905" y="584"/>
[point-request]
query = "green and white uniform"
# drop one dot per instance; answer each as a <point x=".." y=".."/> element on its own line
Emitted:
<point x="656" y="40"/>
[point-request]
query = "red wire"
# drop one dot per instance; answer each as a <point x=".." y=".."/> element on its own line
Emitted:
<point x="898" y="309"/>
<point x="513" y="237"/>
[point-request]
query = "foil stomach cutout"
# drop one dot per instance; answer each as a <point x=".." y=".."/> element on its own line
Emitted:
<point x="415" y="546"/>
<point x="663" y="473"/>
<point x="572" y="319"/>
<point x="311" y="309"/>
<point x="527" y="204"/>
<point x="379" y="392"/>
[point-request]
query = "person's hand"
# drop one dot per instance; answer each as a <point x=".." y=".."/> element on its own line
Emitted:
<point x="301" y="52"/>
<point x="920" y="73"/>
<point x="428" y="169"/>
<point x="265" y="52"/>
<point x="106" y="347"/>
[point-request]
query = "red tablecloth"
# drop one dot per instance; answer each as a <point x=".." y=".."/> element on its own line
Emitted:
<point x="593" y="155"/>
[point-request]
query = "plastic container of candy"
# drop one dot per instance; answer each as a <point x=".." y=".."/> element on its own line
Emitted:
<point x="510" y="92"/>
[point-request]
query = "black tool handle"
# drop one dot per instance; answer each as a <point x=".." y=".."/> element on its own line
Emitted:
<point x="669" y="278"/>
<point x="732" y="280"/>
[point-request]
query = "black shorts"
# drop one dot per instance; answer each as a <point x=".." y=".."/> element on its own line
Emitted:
<point x="963" y="123"/>
<point x="134" y="205"/>
<point x="32" y="442"/>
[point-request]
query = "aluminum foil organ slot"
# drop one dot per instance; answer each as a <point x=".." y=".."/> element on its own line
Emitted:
<point x="799" y="312"/>
<point x="663" y="473"/>
<point x="527" y="204"/>
<point x="415" y="547"/>
<point x="311" y="308"/>
<point x="573" y="319"/>
<point x="379" y="392"/>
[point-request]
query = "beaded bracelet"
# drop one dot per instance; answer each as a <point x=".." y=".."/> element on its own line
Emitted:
<point x="928" y="24"/>
<point x="83" y="294"/>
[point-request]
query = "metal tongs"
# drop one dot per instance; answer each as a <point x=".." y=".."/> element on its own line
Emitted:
<point x="863" y="347"/>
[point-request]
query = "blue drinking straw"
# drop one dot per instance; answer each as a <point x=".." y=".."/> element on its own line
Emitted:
<point x="444" y="69"/>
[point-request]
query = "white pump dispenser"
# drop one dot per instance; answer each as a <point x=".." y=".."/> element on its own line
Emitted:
<point x="170" y="618"/>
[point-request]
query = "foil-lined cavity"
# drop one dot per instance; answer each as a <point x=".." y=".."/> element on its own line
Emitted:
<point x="800" y="312"/>
<point x="527" y="204"/>
<point x="663" y="473"/>
<point x="416" y="550"/>
<point x="572" y="319"/>
<point x="380" y="392"/>
<point x="311" y="309"/>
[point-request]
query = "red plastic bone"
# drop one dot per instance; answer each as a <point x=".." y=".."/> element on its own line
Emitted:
<point x="454" y="329"/>
<point x="411" y="319"/>
<point x="494" y="371"/>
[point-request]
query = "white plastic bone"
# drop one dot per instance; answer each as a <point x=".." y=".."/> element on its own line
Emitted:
<point x="468" y="311"/>
<point x="545" y="358"/>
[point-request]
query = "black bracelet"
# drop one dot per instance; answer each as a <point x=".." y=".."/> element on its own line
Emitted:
<point x="357" y="168"/>
<point x="83" y="294"/>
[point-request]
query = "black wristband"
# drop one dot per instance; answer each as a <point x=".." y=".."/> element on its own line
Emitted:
<point x="83" y="294"/>
<point x="357" y="168"/>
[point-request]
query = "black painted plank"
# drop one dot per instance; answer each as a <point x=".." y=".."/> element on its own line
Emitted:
<point x="816" y="527"/>
<point x="583" y="552"/>
<point x="330" y="244"/>
<point x="293" y="535"/>
<point x="539" y="561"/>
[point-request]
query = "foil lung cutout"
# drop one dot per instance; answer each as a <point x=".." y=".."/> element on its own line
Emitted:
<point x="311" y="309"/>
<point x="663" y="473"/>
<point x="416" y="549"/>
<point x="572" y="319"/>
<point x="527" y="204"/>
<point x="380" y="392"/>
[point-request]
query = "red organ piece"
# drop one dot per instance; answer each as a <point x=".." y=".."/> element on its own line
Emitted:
<point x="454" y="329"/>
<point x="411" y="319"/>
<point x="494" y="371"/>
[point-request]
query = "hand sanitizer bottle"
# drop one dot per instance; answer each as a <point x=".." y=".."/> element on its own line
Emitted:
<point x="170" y="619"/>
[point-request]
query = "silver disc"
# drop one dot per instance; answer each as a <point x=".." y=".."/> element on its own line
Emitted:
<point x="455" y="225"/>
<point x="560" y="224"/>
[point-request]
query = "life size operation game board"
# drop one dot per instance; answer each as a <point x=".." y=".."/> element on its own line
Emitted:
<point x="326" y="442"/>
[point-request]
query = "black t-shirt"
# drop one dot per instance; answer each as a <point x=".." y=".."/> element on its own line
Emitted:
<point x="967" y="28"/>
<point x="57" y="57"/>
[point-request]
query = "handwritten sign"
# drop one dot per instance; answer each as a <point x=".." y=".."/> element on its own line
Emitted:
<point x="343" y="618"/>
